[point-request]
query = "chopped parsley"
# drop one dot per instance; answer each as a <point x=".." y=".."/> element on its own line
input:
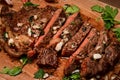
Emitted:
<point x="108" y="15"/>
<point x="30" y="4"/>
<point x="39" y="74"/>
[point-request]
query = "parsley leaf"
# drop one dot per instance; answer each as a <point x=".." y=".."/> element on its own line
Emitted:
<point x="70" y="9"/>
<point x="97" y="8"/>
<point x="11" y="71"/>
<point x="108" y="14"/>
<point x="30" y="4"/>
<point x="74" y="76"/>
<point x="39" y="74"/>
<point x="117" y="32"/>
<point x="24" y="60"/>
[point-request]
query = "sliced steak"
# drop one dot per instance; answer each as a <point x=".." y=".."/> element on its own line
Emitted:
<point x="47" y="57"/>
<point x="53" y="26"/>
<point x="29" y="22"/>
<point x="56" y="38"/>
<point x="76" y="40"/>
<point x="69" y="32"/>
<point x="81" y="52"/>
<point x="111" y="56"/>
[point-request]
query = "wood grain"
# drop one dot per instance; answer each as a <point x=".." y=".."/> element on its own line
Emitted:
<point x="30" y="69"/>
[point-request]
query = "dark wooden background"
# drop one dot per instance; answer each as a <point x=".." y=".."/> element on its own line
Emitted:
<point x="115" y="3"/>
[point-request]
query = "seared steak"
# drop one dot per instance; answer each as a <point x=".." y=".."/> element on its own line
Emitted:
<point x="47" y="57"/>
<point x="91" y="67"/>
<point x="26" y="24"/>
<point x="76" y="40"/>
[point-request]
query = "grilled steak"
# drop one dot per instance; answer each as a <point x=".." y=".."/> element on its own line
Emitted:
<point x="82" y="51"/>
<point x="76" y="40"/>
<point x="69" y="32"/>
<point x="47" y="57"/>
<point x="77" y="22"/>
<point x="26" y="24"/>
<point x="92" y="67"/>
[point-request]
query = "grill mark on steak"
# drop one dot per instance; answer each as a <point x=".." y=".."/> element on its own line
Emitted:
<point x="90" y="38"/>
<point x="76" y="40"/>
<point x="111" y="56"/>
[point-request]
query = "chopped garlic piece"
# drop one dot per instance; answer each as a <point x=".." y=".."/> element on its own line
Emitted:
<point x="98" y="47"/>
<point x="29" y="32"/>
<point x="59" y="46"/>
<point x="46" y="75"/>
<point x="75" y="71"/>
<point x="97" y="56"/>
<point x="65" y="32"/>
<point x="35" y="17"/>
<point x="10" y="41"/>
<point x="19" y="24"/>
<point x="35" y="26"/>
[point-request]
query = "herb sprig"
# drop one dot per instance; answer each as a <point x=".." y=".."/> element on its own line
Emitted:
<point x="108" y="15"/>
<point x="30" y="4"/>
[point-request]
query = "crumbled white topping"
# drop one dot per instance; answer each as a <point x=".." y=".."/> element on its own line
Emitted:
<point x="55" y="28"/>
<point x="104" y="42"/>
<point x="29" y="32"/>
<point x="113" y="77"/>
<point x="46" y="75"/>
<point x="75" y="71"/>
<point x="19" y="24"/>
<point x="98" y="76"/>
<point x="65" y="32"/>
<point x="10" y="41"/>
<point x="92" y="79"/>
<point x="6" y="35"/>
<point x="54" y="32"/>
<point x="43" y="20"/>
<point x="59" y="46"/>
<point x="35" y="26"/>
<point x="97" y="56"/>
<point x="65" y="39"/>
<point x="35" y="17"/>
<point x="98" y="47"/>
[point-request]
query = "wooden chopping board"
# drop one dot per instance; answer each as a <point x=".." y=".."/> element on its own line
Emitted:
<point x="30" y="69"/>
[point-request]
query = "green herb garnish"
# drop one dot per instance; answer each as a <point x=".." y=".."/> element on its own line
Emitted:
<point x="11" y="71"/>
<point x="70" y="9"/>
<point x="5" y="35"/>
<point x="117" y="33"/>
<point x="24" y="60"/>
<point x="30" y="4"/>
<point x="39" y="74"/>
<point x="74" y="76"/>
<point x="108" y="14"/>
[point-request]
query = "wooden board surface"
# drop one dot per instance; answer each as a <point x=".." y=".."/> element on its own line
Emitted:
<point x="30" y="69"/>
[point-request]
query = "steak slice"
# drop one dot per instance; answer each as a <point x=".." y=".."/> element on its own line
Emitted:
<point x="47" y="57"/>
<point x="29" y="22"/>
<point x="53" y="26"/>
<point x="76" y="40"/>
<point x="81" y="52"/>
<point x="92" y="67"/>
<point x="69" y="32"/>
